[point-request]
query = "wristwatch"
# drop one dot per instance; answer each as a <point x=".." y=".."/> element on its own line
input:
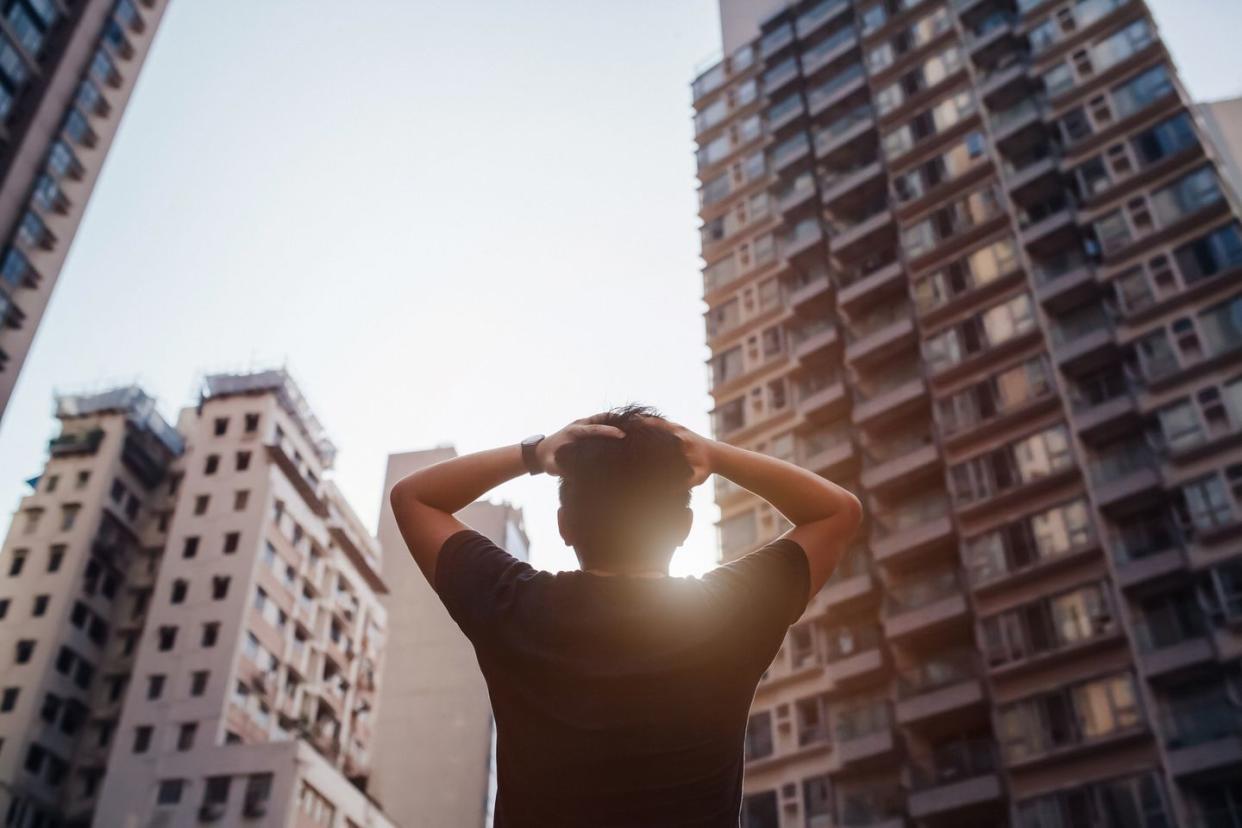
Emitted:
<point x="529" y="457"/>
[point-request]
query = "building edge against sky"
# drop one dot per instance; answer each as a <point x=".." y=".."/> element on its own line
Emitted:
<point x="435" y="697"/>
<point x="1001" y="218"/>
<point x="194" y="620"/>
<point x="66" y="75"/>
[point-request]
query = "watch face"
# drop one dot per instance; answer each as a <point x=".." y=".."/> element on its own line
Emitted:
<point x="532" y="440"/>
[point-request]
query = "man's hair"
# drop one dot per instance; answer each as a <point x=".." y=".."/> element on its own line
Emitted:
<point x="621" y="495"/>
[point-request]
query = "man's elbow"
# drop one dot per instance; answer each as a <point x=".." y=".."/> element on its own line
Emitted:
<point x="851" y="516"/>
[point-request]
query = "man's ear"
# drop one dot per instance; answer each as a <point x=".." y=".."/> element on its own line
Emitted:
<point x="563" y="523"/>
<point x="681" y="527"/>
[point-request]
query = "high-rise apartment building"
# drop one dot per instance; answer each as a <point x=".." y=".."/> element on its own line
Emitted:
<point x="974" y="260"/>
<point x="190" y="623"/>
<point x="67" y="70"/>
<point x="433" y="694"/>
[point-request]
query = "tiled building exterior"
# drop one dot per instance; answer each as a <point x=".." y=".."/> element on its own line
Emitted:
<point x="974" y="259"/>
<point x="190" y="622"/>
<point x="67" y="70"/>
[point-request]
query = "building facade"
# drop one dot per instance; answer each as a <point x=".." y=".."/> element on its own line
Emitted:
<point x="191" y="622"/>
<point x="976" y="260"/>
<point x="67" y="70"/>
<point x="433" y="694"/>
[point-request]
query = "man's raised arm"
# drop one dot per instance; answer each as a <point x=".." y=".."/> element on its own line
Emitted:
<point x="424" y="502"/>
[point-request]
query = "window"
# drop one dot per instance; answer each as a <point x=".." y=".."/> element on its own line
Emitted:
<point x="117" y="492"/>
<point x="83" y="478"/>
<point x="216" y="791"/>
<point x="240" y="498"/>
<point x="190" y="549"/>
<point x="219" y="587"/>
<point x="4" y="607"/>
<point x="221" y="426"/>
<point x="69" y="514"/>
<point x="211" y="633"/>
<point x="179" y="588"/>
<point x="50" y="711"/>
<point x="8" y="700"/>
<point x="24" y="650"/>
<point x="1218" y="251"/>
<point x="1206" y="505"/>
<point x="55" y="557"/>
<point x="198" y="682"/>
<point x="167" y="638"/>
<point x="155" y="686"/>
<point x="169" y="791"/>
<point x="142" y="738"/>
<point x="759" y="736"/>
<point x="33" y="514"/>
<point x="212" y="464"/>
<point x="252" y="423"/>
<point x="1133" y="801"/>
<point x="17" y="562"/>
<point x="185" y="736"/>
<point x="200" y="504"/>
<point x="40" y="605"/>
<point x="243" y="460"/>
<point x="231" y="541"/>
<point x="52" y="480"/>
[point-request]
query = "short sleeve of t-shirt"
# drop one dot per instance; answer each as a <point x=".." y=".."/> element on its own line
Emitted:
<point x="763" y="592"/>
<point x="477" y="580"/>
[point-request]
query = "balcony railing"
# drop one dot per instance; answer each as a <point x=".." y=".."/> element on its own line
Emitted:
<point x="1028" y="107"/>
<point x="1145" y="536"/>
<point x="1083" y="321"/>
<point x="1099" y="389"/>
<point x="872" y="807"/>
<point x="877" y="320"/>
<point x="937" y="672"/>
<point x="790" y="148"/>
<point x="827" y="90"/>
<point x="842" y="125"/>
<point x="890" y="381"/>
<point x="912" y="595"/>
<point x="1050" y="269"/>
<point x="1169" y="626"/>
<point x="954" y="762"/>
<point x="813" y="384"/>
<point x="911" y="514"/>
<point x="822" y="440"/>
<point x="1205" y="717"/>
<point x="1121" y="462"/>
<point x="851" y="641"/>
<point x="897" y="446"/>
<point x="829" y="44"/>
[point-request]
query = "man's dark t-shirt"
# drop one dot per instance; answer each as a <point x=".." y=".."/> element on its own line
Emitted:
<point x="620" y="700"/>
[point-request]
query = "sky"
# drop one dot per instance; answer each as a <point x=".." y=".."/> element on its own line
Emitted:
<point x="455" y="223"/>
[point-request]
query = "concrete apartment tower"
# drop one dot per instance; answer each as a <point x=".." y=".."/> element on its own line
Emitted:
<point x="67" y="70"/>
<point x="191" y="624"/>
<point x="435" y="743"/>
<point x="974" y="260"/>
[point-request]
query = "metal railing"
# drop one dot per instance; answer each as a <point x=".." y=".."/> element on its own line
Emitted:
<point x="952" y="763"/>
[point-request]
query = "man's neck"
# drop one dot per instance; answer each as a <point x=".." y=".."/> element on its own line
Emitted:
<point x="635" y="573"/>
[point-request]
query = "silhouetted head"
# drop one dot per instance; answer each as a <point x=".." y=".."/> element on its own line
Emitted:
<point x="625" y="501"/>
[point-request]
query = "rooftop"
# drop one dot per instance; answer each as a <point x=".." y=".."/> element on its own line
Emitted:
<point x="129" y="400"/>
<point x="279" y="382"/>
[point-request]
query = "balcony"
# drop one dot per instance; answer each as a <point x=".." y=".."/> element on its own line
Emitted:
<point x="844" y="130"/>
<point x="858" y="286"/>
<point x="879" y="335"/>
<point x="809" y="291"/>
<point x="900" y="461"/>
<point x="843" y="182"/>
<point x="1103" y="404"/>
<point x="813" y="339"/>
<point x="785" y="112"/>
<point x="820" y="397"/>
<point x="806" y="235"/>
<point x="904" y="537"/>
<point x="1171" y="640"/>
<point x="810" y="21"/>
<point x="1036" y="173"/>
<point x="800" y="192"/>
<point x="850" y="236"/>
<point x="855" y="658"/>
<point x="1012" y="123"/>
<point x="828" y="50"/>
<point x="852" y="586"/>
<point x="1125" y="474"/>
<point x="1203" y="734"/>
<point x="872" y="807"/>
<point x="308" y="490"/>
<point x="74" y="443"/>
<point x="826" y="451"/>
<point x="865" y="736"/>
<point x="994" y="28"/>
<point x="924" y="606"/>
<point x="1083" y="338"/>
<point x="1006" y="72"/>
<point x="940" y="687"/>
<point x="1147" y="547"/>
<point x="789" y="153"/>
<point x="956" y="778"/>
<point x="837" y="89"/>
<point x="891" y="397"/>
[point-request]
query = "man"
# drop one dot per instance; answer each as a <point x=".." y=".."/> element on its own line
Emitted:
<point x="621" y="694"/>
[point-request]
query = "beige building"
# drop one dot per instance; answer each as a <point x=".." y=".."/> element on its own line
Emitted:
<point x="193" y="618"/>
<point x="1223" y="122"/>
<point x="67" y="70"/>
<point x="435" y="745"/>
<point x="974" y="259"/>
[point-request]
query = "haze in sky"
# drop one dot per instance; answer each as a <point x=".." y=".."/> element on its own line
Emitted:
<point x="455" y="222"/>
